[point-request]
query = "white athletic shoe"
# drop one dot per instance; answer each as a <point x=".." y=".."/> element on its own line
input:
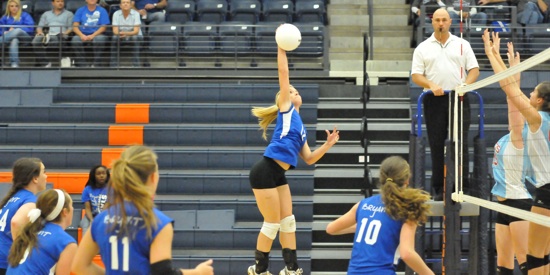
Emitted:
<point x="285" y="271"/>
<point x="252" y="271"/>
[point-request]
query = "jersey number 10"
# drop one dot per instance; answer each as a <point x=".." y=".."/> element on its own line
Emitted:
<point x="371" y="236"/>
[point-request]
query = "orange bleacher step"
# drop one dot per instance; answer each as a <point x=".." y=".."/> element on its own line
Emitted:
<point x="132" y="113"/>
<point x="125" y="135"/>
<point x="73" y="183"/>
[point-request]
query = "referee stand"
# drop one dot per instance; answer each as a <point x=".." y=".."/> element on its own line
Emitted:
<point x="450" y="227"/>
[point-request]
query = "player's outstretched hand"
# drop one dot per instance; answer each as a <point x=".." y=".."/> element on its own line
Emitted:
<point x="333" y="137"/>
<point x="205" y="268"/>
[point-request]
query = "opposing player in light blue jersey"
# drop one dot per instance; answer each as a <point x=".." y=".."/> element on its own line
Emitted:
<point x="536" y="136"/>
<point x="385" y="224"/>
<point x="509" y="171"/>
<point x="29" y="178"/>
<point x="132" y="236"/>
<point x="43" y="247"/>
<point x="267" y="176"/>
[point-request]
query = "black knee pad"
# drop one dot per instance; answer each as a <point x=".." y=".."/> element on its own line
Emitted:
<point x="546" y="259"/>
<point x="534" y="262"/>
<point x="504" y="271"/>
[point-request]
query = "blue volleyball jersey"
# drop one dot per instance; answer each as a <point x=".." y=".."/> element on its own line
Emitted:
<point x="52" y="240"/>
<point x="96" y="196"/>
<point x="508" y="170"/>
<point x="288" y="138"/>
<point x="123" y="254"/>
<point x="20" y="198"/>
<point x="376" y="239"/>
<point x="537" y="147"/>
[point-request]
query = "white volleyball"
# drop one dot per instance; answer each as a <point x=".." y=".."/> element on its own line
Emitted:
<point x="288" y="37"/>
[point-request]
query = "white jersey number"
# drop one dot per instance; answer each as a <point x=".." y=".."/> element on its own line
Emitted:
<point x="3" y="220"/>
<point x="125" y="253"/>
<point x="371" y="236"/>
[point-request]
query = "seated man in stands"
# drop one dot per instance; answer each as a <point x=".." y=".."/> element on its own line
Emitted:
<point x="470" y="15"/>
<point x="430" y="6"/>
<point x="151" y="10"/>
<point x="89" y="23"/>
<point x="126" y="31"/>
<point x="54" y="26"/>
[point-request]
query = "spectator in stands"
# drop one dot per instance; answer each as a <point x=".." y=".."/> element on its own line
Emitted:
<point x="470" y="15"/>
<point x="151" y="10"/>
<point x="430" y="6"/>
<point x="94" y="195"/>
<point x="133" y="223"/>
<point x="397" y="210"/>
<point x="54" y="26"/>
<point x="21" y="30"/>
<point x="29" y="178"/>
<point x="126" y="31"/>
<point x="89" y="24"/>
<point x="43" y="246"/>
<point x="528" y="14"/>
<point x="440" y="63"/>
<point x="267" y="176"/>
<point x="543" y="6"/>
<point x="509" y="171"/>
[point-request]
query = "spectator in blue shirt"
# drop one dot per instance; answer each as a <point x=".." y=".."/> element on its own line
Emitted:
<point x="151" y="10"/>
<point x="21" y="29"/>
<point x="89" y="24"/>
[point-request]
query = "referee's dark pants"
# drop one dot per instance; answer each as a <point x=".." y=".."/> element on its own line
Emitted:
<point x="436" y="114"/>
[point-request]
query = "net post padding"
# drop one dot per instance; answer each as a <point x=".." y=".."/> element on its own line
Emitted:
<point x="417" y="155"/>
<point x="479" y="231"/>
<point x="451" y="234"/>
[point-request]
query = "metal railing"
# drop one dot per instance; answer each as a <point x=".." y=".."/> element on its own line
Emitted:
<point x="179" y="46"/>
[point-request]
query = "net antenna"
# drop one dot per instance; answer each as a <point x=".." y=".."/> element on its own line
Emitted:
<point x="458" y="195"/>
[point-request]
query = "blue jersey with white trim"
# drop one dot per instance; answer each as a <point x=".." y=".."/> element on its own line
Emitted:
<point x="125" y="254"/>
<point x="20" y="198"/>
<point x="52" y="240"/>
<point x="537" y="146"/>
<point x="509" y="170"/>
<point x="288" y="138"/>
<point x="376" y="239"/>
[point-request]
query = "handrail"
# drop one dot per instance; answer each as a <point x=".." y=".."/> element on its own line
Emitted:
<point x="418" y="125"/>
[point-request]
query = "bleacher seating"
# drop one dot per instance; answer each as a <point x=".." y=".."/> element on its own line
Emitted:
<point x="540" y="38"/>
<point x="313" y="40"/>
<point x="236" y="40"/>
<point x="212" y="11"/>
<point x="39" y="8"/>
<point x="164" y="38"/>
<point x="199" y="38"/>
<point x="265" y="45"/>
<point x="310" y="11"/>
<point x="280" y="11"/>
<point x="73" y="5"/>
<point x="245" y="11"/>
<point x="180" y="11"/>
<point x="203" y="170"/>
